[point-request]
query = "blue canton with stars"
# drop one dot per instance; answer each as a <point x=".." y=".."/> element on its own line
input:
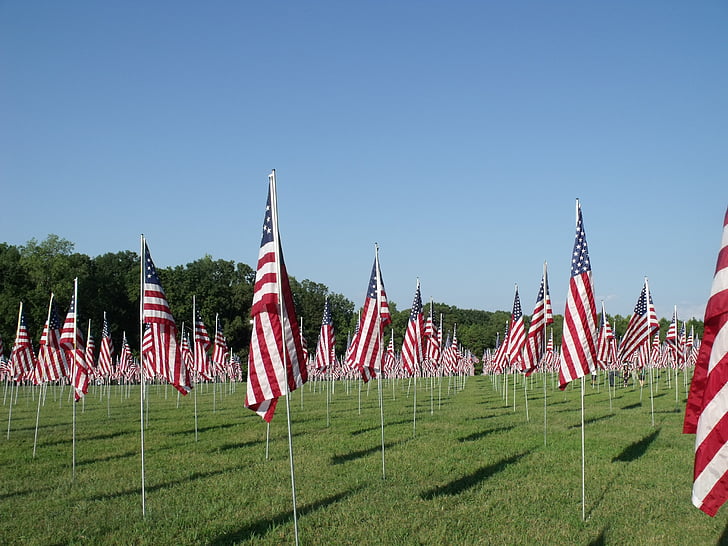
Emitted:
<point x="580" y="257"/>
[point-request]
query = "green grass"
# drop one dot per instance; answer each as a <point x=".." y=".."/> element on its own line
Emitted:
<point x="476" y="471"/>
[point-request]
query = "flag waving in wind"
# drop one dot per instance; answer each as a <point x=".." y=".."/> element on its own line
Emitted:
<point x="542" y="317"/>
<point x="412" y="347"/>
<point x="578" y="341"/>
<point x="706" y="414"/>
<point x="276" y="365"/>
<point x="642" y="325"/>
<point x="325" y="346"/>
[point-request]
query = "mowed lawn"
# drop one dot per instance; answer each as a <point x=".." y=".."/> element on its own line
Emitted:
<point x="470" y="469"/>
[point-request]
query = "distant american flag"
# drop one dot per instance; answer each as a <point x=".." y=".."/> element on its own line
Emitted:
<point x="412" y="346"/>
<point x="542" y="317"/>
<point x="52" y="363"/>
<point x="325" y="346"/>
<point x="106" y="352"/>
<point x="220" y="352"/>
<point x="72" y="341"/>
<point x="22" y="359"/>
<point x="642" y="324"/>
<point x="517" y="336"/>
<point x="579" y="338"/>
<point x="202" y="345"/>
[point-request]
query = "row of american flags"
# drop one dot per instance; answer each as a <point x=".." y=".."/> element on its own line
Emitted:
<point x="278" y="362"/>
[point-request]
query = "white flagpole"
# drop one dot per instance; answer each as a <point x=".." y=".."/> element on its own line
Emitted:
<point x="414" y="398"/>
<point x="73" y="374"/>
<point x="10" y="410"/>
<point x="649" y="349"/>
<point x="142" y="382"/>
<point x="379" y="356"/>
<point x="543" y="347"/>
<point x="194" y="354"/>
<point x="283" y="318"/>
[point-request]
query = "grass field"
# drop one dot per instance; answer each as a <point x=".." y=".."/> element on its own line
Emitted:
<point x="474" y="471"/>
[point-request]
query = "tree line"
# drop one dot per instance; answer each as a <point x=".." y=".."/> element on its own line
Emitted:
<point x="111" y="283"/>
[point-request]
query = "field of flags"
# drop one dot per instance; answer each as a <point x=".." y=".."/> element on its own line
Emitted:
<point x="279" y="362"/>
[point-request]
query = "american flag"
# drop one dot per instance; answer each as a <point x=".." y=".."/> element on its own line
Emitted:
<point x="542" y="317"/>
<point x="220" y="352"/>
<point x="276" y="365"/>
<point x="188" y="359"/>
<point x="202" y="345"/>
<point x="125" y="358"/>
<point x="390" y="358"/>
<point x="106" y="352"/>
<point x="642" y="325"/>
<point x="412" y="346"/>
<point x="325" y="346"/>
<point x="706" y="414"/>
<point x="90" y="350"/>
<point x="675" y="341"/>
<point x="517" y="336"/>
<point x="22" y="359"/>
<point x="164" y="351"/>
<point x="52" y="363"/>
<point x="366" y="348"/>
<point x="579" y="343"/>
<point x="72" y="341"/>
<point x="606" y="344"/>
<point x="433" y="340"/>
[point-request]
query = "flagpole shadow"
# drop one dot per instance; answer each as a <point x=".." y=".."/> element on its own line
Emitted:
<point x="261" y="527"/>
<point x="456" y="487"/>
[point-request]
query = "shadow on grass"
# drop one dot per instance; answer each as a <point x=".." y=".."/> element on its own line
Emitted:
<point x="11" y="494"/>
<point x="206" y="429"/>
<point x="633" y="406"/>
<point x="163" y="485"/>
<point x="109" y="436"/>
<point x="637" y="449"/>
<point x="354" y="455"/>
<point x="228" y="447"/>
<point x="109" y="458"/>
<point x="724" y="537"/>
<point x="593" y="420"/>
<point x="379" y="427"/>
<point x="471" y="480"/>
<point x="261" y="527"/>
<point x="484" y="433"/>
<point x="600" y="540"/>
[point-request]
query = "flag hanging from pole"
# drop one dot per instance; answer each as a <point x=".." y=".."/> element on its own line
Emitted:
<point x="542" y="317"/>
<point x="517" y="336"/>
<point x="412" y="346"/>
<point x="164" y="351"/>
<point x="325" y="346"/>
<point x="51" y="363"/>
<point x="106" y="352"/>
<point x="578" y="341"/>
<point x="642" y="325"/>
<point x="276" y="365"/>
<point x="73" y="343"/>
<point x="706" y="414"/>
<point x="22" y="359"/>
<point x="202" y="345"/>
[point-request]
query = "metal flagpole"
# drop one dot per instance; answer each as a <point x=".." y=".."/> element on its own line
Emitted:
<point x="649" y="350"/>
<point x="73" y="375"/>
<point x="194" y="354"/>
<point x="283" y="318"/>
<point x="142" y="382"/>
<point x="379" y="355"/>
<point x="583" y="455"/>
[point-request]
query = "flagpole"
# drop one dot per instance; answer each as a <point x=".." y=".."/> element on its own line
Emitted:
<point x="649" y="349"/>
<point x="379" y="333"/>
<point x="73" y="374"/>
<point x="282" y="308"/>
<point x="10" y="410"/>
<point x="142" y="382"/>
<point x="194" y="354"/>
<point x="583" y="456"/>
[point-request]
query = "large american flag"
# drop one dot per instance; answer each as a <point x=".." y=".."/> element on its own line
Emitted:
<point x="156" y="312"/>
<point x="517" y="336"/>
<point x="412" y="346"/>
<point x="542" y="317"/>
<point x="325" y="346"/>
<point x="72" y="341"/>
<point x="642" y="325"/>
<point x="706" y="414"/>
<point x="366" y="348"/>
<point x="52" y="363"/>
<point x="276" y="364"/>
<point x="22" y="359"/>
<point x="106" y="352"/>
<point x="578" y="341"/>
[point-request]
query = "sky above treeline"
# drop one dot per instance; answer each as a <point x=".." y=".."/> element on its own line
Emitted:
<point x="456" y="135"/>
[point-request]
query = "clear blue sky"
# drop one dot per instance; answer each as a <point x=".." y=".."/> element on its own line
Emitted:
<point x="457" y="135"/>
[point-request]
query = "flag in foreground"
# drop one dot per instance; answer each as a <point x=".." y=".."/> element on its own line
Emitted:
<point x="706" y="414"/>
<point x="276" y="365"/>
<point x="578" y="346"/>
